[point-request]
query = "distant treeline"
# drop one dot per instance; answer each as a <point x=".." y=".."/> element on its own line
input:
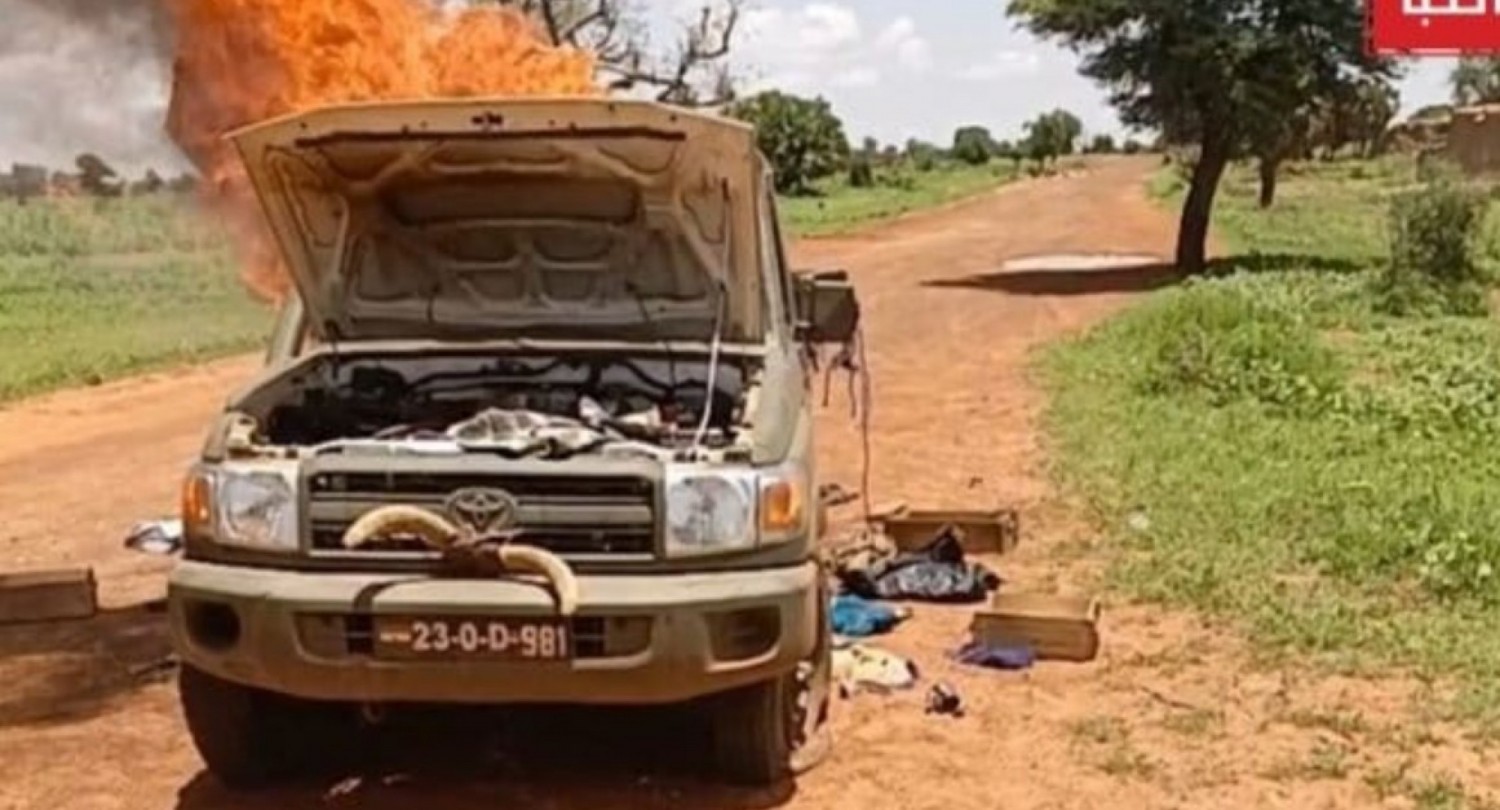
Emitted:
<point x="92" y="177"/>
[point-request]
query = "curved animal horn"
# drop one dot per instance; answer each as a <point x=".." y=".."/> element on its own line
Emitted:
<point x="433" y="530"/>
<point x="550" y="567"/>
<point x="438" y="533"/>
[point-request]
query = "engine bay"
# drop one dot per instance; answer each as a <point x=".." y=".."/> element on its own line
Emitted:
<point x="519" y="406"/>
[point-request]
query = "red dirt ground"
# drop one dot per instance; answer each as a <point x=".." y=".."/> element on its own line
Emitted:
<point x="1174" y="714"/>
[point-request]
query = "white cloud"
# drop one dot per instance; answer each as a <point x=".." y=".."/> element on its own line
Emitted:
<point x="910" y="48"/>
<point x="900" y="29"/>
<point x="862" y="76"/>
<point x="915" y="54"/>
<point x="821" y="45"/>
<point x="1000" y="65"/>
<point x="815" y="33"/>
<point x="828" y="27"/>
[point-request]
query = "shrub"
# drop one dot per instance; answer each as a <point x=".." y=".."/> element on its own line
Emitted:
<point x="922" y="156"/>
<point x="1433" y="268"/>
<point x="1216" y="341"/>
<point x="899" y="177"/>
<point x="861" y="173"/>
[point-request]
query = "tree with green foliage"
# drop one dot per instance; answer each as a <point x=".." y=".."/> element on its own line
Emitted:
<point x="801" y="137"/>
<point x="1205" y="73"/>
<point x="1102" y="144"/>
<point x="1364" y="112"/>
<point x="1052" y="135"/>
<point x="922" y="155"/>
<point x="973" y="145"/>
<point x="1273" y="141"/>
<point x="1475" y="80"/>
<point x="861" y="169"/>
<point x="1342" y="112"/>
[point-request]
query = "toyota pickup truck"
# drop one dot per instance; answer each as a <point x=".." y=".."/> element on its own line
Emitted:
<point x="534" y="428"/>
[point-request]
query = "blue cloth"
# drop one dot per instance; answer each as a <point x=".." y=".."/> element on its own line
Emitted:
<point x="857" y="618"/>
<point x="979" y="654"/>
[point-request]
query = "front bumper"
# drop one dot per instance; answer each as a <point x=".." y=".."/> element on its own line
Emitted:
<point x="650" y="638"/>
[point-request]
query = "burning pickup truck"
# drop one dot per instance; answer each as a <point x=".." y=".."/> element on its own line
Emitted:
<point x="536" y="427"/>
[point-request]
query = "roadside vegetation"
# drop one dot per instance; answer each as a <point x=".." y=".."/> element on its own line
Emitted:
<point x="1304" y="441"/>
<point x="96" y="288"/>
<point x="840" y="206"/>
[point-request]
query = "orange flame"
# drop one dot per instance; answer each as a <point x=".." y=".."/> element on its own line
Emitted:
<point x="242" y="61"/>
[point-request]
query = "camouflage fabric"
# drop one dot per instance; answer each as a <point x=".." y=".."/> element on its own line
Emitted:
<point x="859" y="549"/>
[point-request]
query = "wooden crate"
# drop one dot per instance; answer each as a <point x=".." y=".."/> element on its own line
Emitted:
<point x="39" y="596"/>
<point x="1056" y="628"/>
<point x="993" y="531"/>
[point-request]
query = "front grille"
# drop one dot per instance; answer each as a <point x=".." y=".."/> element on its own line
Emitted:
<point x="569" y="515"/>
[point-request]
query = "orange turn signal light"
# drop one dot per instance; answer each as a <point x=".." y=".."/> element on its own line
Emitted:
<point x="781" y="507"/>
<point x="197" y="503"/>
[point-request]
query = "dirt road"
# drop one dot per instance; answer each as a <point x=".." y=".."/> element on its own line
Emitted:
<point x="1173" y="715"/>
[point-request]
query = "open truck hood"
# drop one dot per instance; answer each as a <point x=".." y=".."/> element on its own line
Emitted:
<point x="573" y="217"/>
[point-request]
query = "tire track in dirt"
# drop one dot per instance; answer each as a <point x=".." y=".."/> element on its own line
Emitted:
<point x="1173" y="714"/>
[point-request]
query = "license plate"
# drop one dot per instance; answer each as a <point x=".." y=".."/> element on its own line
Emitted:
<point x="476" y="638"/>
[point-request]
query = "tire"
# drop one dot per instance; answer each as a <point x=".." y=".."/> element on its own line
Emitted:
<point x="753" y="730"/>
<point x="250" y="738"/>
<point x="777" y="729"/>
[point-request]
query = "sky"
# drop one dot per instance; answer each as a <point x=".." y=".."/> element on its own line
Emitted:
<point x="893" y="69"/>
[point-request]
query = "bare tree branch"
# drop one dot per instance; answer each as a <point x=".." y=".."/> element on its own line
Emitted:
<point x="602" y="15"/>
<point x="549" y="16"/>
<point x="701" y="50"/>
<point x="694" y="72"/>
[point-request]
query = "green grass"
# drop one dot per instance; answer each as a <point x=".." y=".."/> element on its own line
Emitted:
<point x="1324" y="476"/>
<point x="90" y="227"/>
<point x="839" y="207"/>
<point x="94" y="289"/>
<point x="71" y="321"/>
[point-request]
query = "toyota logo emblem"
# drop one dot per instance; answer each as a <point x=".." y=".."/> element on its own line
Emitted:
<point x="482" y="511"/>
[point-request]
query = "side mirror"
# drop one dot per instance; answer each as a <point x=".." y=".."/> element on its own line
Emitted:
<point x="827" y="309"/>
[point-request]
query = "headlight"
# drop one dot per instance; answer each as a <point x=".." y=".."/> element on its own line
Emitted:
<point x="257" y="507"/>
<point x="716" y="511"/>
<point x="709" y="513"/>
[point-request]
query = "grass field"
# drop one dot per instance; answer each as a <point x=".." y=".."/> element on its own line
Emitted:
<point x="94" y="289"/>
<point x="1266" y="447"/>
<point x="840" y="207"/>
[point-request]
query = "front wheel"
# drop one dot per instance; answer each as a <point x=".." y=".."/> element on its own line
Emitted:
<point x="754" y="730"/>
<point x="250" y="738"/>
<point x="778" y="728"/>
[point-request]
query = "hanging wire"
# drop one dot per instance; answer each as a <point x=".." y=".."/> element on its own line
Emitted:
<point x="853" y="359"/>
